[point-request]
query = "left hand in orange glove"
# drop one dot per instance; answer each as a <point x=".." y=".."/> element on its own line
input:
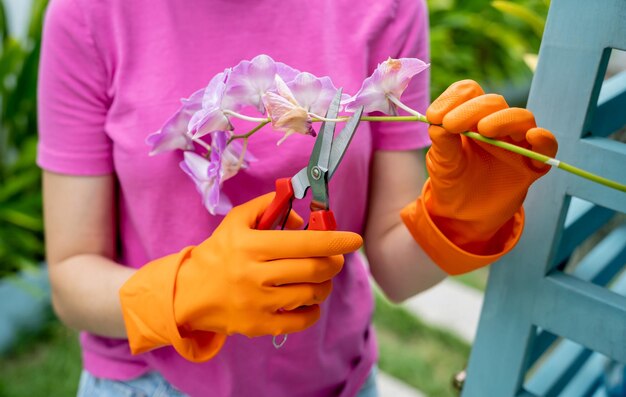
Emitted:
<point x="470" y="211"/>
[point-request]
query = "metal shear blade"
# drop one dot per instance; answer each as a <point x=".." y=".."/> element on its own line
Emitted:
<point x="326" y="156"/>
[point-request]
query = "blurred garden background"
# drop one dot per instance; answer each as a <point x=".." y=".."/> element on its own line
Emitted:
<point x="493" y="42"/>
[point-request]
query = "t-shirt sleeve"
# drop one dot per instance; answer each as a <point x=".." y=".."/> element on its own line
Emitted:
<point x="72" y="96"/>
<point x="405" y="35"/>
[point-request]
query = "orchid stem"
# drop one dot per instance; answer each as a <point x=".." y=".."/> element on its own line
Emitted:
<point x="416" y="116"/>
<point x="524" y="152"/>
<point x="249" y="133"/>
<point x="317" y="117"/>
<point x="548" y="160"/>
<point x="243" y="153"/>
<point x="372" y="118"/>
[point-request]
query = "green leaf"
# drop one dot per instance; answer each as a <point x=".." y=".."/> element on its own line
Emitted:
<point x="12" y="55"/>
<point x="534" y="20"/>
<point x="36" y="20"/>
<point x="4" y="28"/>
<point x="17" y="242"/>
<point x="21" y="219"/>
<point x="21" y="231"/>
<point x="438" y="5"/>
<point x="17" y="184"/>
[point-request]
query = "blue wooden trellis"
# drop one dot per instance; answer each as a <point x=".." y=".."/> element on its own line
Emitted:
<point x="530" y="300"/>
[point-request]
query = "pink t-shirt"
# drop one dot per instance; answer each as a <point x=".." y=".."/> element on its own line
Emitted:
<point x="112" y="71"/>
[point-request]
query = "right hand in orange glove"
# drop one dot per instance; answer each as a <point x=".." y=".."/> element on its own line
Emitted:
<point x="470" y="211"/>
<point x="240" y="280"/>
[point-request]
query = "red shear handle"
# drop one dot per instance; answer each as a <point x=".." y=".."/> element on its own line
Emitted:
<point x="279" y="208"/>
<point x="322" y="220"/>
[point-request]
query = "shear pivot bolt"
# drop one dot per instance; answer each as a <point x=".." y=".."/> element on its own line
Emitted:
<point x="316" y="173"/>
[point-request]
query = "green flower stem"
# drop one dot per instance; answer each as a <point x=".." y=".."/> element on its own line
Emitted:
<point x="377" y="118"/>
<point x="249" y="134"/>
<point x="503" y="145"/>
<point x="548" y="160"/>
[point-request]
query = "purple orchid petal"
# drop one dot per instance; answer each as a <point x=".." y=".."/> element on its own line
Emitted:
<point x="371" y="99"/>
<point x="214" y="91"/>
<point x="208" y="120"/>
<point x="249" y="80"/>
<point x="397" y="73"/>
<point x="306" y="89"/>
<point x="228" y="155"/>
<point x="196" y="166"/>
<point x="262" y="68"/>
<point x="286" y="72"/>
<point x="211" y="117"/>
<point x="314" y="93"/>
<point x="198" y="169"/>
<point x="206" y="176"/>
<point x="224" y="162"/>
<point x="230" y="159"/>
<point x="390" y="78"/>
<point x="173" y="135"/>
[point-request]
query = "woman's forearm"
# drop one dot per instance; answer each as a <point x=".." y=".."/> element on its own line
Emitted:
<point x="85" y="294"/>
<point x="397" y="262"/>
<point x="400" y="266"/>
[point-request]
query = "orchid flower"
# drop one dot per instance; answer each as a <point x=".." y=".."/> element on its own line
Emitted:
<point x="211" y="116"/>
<point x="285" y="112"/>
<point x="208" y="174"/>
<point x="249" y="80"/>
<point x="173" y="135"/>
<point x="314" y="93"/>
<point x="382" y="90"/>
<point x="292" y="100"/>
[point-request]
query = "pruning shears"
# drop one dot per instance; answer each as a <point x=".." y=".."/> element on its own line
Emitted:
<point x="327" y="153"/>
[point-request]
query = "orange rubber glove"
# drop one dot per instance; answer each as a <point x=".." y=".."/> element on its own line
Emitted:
<point x="240" y="280"/>
<point x="470" y="211"/>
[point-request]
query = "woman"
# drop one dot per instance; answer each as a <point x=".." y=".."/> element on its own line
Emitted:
<point x="112" y="71"/>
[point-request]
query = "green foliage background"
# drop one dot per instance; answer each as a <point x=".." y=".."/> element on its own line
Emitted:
<point x="474" y="39"/>
<point x="469" y="39"/>
<point x="21" y="237"/>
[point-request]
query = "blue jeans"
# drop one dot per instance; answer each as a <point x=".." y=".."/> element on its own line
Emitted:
<point x="153" y="385"/>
